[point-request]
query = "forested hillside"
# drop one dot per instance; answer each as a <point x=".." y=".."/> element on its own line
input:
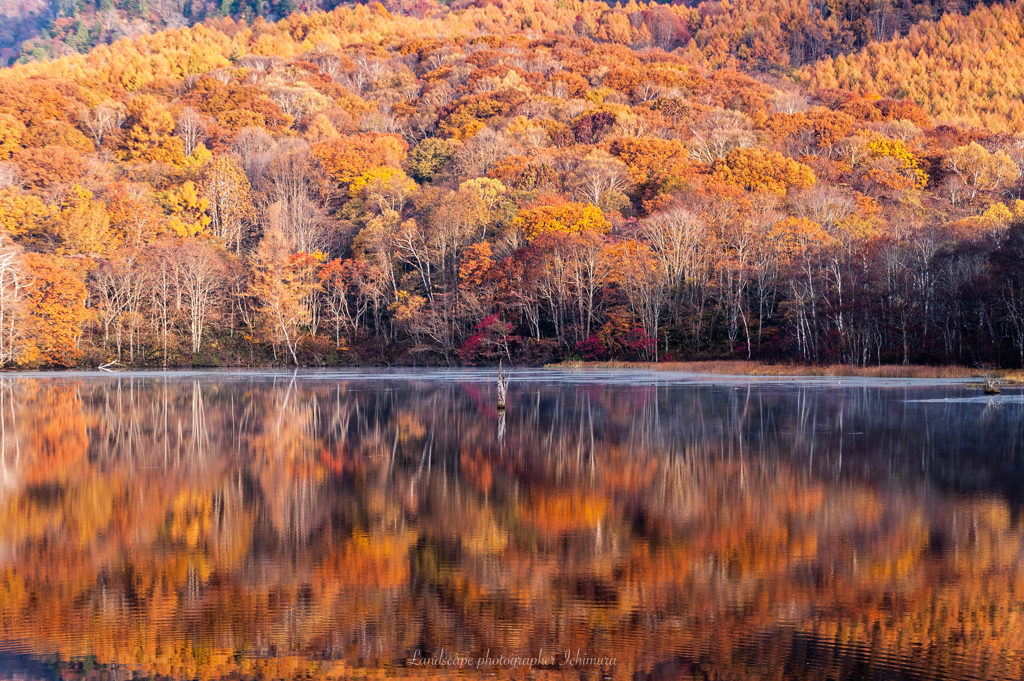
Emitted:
<point x="966" y="70"/>
<point x="764" y="34"/>
<point x="526" y="180"/>
<point x="41" y="29"/>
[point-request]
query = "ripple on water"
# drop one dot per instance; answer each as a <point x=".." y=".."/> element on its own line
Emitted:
<point x="339" y="523"/>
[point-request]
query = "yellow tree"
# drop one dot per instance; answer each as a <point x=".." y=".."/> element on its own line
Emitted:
<point x="149" y="136"/>
<point x="757" y="169"/>
<point x="907" y="165"/>
<point x="384" y="187"/>
<point x="980" y="170"/>
<point x="563" y="216"/>
<point x="24" y="215"/>
<point x="11" y="133"/>
<point x="346" y="158"/>
<point x="189" y="210"/>
<point x="83" y="226"/>
<point x="490" y="191"/>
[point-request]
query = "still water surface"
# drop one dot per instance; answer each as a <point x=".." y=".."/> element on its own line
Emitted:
<point x="343" y="524"/>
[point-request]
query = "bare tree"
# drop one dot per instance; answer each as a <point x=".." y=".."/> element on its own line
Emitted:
<point x="481" y="153"/>
<point x="600" y="174"/>
<point x="294" y="101"/>
<point x="346" y="296"/>
<point x="718" y="132"/>
<point x="99" y="120"/>
<point x="118" y="287"/>
<point x="252" y="144"/>
<point x="451" y="228"/>
<point x="682" y="243"/>
<point x="901" y="130"/>
<point x="824" y="204"/>
<point x="201" y="275"/>
<point x="12" y="292"/>
<point x="289" y="172"/>
<point x="853" y="149"/>
<point x="304" y="222"/>
<point x="295" y="210"/>
<point x="330" y="66"/>
<point x="9" y="175"/>
<point x="190" y="129"/>
<point x="788" y="102"/>
<point x="257" y="63"/>
<point x="647" y="91"/>
<point x="587" y="269"/>
<point x="165" y="299"/>
<point x="644" y="279"/>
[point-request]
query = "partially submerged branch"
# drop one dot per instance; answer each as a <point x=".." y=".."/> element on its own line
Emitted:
<point x="502" y="386"/>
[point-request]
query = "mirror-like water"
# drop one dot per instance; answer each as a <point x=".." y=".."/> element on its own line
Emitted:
<point x="236" y="525"/>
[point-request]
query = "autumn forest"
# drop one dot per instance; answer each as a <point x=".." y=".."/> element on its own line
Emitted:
<point x="455" y="184"/>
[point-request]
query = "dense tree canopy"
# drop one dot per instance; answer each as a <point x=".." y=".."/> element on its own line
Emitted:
<point x="457" y="184"/>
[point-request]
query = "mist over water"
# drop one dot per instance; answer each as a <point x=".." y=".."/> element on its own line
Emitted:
<point x="337" y="524"/>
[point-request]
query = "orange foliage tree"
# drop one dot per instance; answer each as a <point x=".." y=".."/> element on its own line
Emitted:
<point x="56" y="311"/>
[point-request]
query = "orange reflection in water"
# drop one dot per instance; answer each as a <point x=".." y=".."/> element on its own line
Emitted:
<point x="278" y="527"/>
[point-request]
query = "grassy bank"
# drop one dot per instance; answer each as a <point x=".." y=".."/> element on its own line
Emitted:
<point x="744" y="368"/>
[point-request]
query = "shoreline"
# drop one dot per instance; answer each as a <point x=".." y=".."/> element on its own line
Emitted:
<point x="610" y="373"/>
<point x="618" y="375"/>
<point x="739" y="368"/>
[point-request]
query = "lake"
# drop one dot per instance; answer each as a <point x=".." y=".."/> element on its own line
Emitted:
<point x="628" y="525"/>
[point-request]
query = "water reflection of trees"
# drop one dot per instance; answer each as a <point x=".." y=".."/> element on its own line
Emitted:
<point x="206" y="527"/>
